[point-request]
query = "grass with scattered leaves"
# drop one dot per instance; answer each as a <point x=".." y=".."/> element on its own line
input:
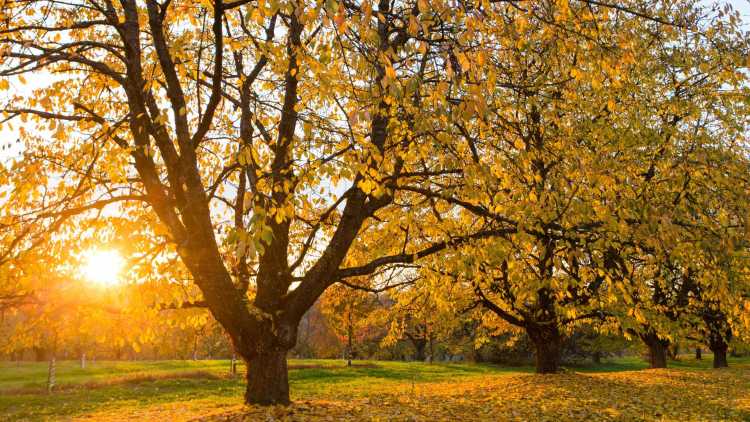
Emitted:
<point x="327" y="390"/>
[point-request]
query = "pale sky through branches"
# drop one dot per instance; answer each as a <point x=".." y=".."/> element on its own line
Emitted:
<point x="10" y="148"/>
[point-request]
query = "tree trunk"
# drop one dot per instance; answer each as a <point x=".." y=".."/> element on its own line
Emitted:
<point x="719" y="335"/>
<point x="432" y="349"/>
<point x="657" y="349"/>
<point x="657" y="355"/>
<point x="720" y="359"/>
<point x="40" y="354"/>
<point x="597" y="357"/>
<point x="349" y="347"/>
<point x="195" y="347"/>
<point x="51" y="374"/>
<point x="267" y="378"/>
<point x="477" y="354"/>
<point x="698" y="353"/>
<point x="719" y="348"/>
<point x="419" y="349"/>
<point x="233" y="365"/>
<point x="547" y="346"/>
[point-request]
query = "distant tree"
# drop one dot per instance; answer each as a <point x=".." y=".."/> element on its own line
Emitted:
<point x="604" y="199"/>
<point x="316" y="337"/>
<point x="348" y="314"/>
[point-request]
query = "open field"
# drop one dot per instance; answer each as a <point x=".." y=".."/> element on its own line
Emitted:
<point x="327" y="390"/>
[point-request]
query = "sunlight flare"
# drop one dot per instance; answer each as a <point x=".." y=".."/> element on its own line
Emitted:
<point x="103" y="267"/>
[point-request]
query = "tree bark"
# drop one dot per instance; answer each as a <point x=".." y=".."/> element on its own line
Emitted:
<point x="267" y="378"/>
<point x="657" y="355"/>
<point x="233" y="365"/>
<point x="720" y="359"/>
<point x="432" y="348"/>
<point x="51" y="374"/>
<point x="40" y="354"/>
<point x="195" y="346"/>
<point x="419" y="349"/>
<point x="719" y="348"/>
<point x="349" y="346"/>
<point x="719" y="335"/>
<point x="698" y="353"/>
<point x="477" y="354"/>
<point x="597" y="357"/>
<point x="547" y="345"/>
<point x="657" y="349"/>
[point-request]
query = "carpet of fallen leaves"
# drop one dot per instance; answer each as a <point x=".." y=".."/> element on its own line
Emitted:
<point x="651" y="395"/>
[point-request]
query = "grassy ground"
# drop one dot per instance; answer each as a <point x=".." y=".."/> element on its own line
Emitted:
<point x="191" y="390"/>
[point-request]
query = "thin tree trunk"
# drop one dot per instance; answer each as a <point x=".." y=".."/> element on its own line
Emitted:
<point x="432" y="348"/>
<point x="698" y="353"/>
<point x="51" y="374"/>
<point x="267" y="378"/>
<point x="195" y="347"/>
<point x="349" y="335"/>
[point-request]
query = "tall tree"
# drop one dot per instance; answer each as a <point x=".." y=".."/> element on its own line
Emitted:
<point x="598" y="156"/>
<point x="260" y="139"/>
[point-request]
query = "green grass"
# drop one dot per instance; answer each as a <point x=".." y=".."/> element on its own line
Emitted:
<point x="635" y="363"/>
<point x="106" y="385"/>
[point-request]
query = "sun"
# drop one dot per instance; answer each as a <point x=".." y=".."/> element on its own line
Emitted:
<point x="102" y="267"/>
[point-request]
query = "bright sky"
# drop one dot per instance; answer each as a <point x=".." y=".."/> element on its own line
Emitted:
<point x="744" y="7"/>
